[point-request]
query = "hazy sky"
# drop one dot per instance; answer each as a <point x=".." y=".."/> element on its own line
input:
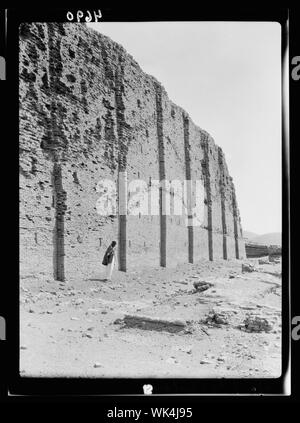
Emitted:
<point x="226" y="75"/>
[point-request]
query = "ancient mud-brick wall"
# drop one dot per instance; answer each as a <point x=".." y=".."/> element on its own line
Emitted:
<point x="88" y="113"/>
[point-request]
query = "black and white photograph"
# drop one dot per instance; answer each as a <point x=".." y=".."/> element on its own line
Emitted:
<point x="150" y="217"/>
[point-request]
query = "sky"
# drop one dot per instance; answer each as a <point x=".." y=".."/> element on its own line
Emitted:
<point x="227" y="76"/>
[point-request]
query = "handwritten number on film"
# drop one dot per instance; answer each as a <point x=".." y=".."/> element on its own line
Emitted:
<point x="87" y="16"/>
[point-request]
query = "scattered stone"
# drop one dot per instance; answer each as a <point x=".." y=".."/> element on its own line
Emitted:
<point x="31" y="311"/>
<point x="23" y="347"/>
<point x="257" y="324"/>
<point x="211" y="356"/>
<point x="205" y="331"/>
<point x="273" y="259"/>
<point x="248" y="307"/>
<point x="205" y="362"/>
<point x="201" y="286"/>
<point x="187" y="350"/>
<point x="79" y="301"/>
<point x="252" y="356"/>
<point x="248" y="268"/>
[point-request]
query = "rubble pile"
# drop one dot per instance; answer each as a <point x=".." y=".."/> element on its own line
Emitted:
<point x="216" y="319"/>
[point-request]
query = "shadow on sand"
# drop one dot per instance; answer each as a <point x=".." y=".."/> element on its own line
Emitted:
<point x="97" y="280"/>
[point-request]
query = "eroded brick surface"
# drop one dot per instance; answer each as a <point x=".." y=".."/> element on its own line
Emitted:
<point x="88" y="112"/>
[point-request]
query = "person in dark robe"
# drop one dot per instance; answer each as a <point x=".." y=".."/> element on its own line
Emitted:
<point x="109" y="260"/>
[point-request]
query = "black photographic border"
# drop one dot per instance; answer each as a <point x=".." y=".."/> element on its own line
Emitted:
<point x="42" y="387"/>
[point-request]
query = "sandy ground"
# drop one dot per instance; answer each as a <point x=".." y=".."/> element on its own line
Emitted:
<point x="68" y="329"/>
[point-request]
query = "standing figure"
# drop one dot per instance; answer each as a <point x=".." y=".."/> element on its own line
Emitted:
<point x="109" y="260"/>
